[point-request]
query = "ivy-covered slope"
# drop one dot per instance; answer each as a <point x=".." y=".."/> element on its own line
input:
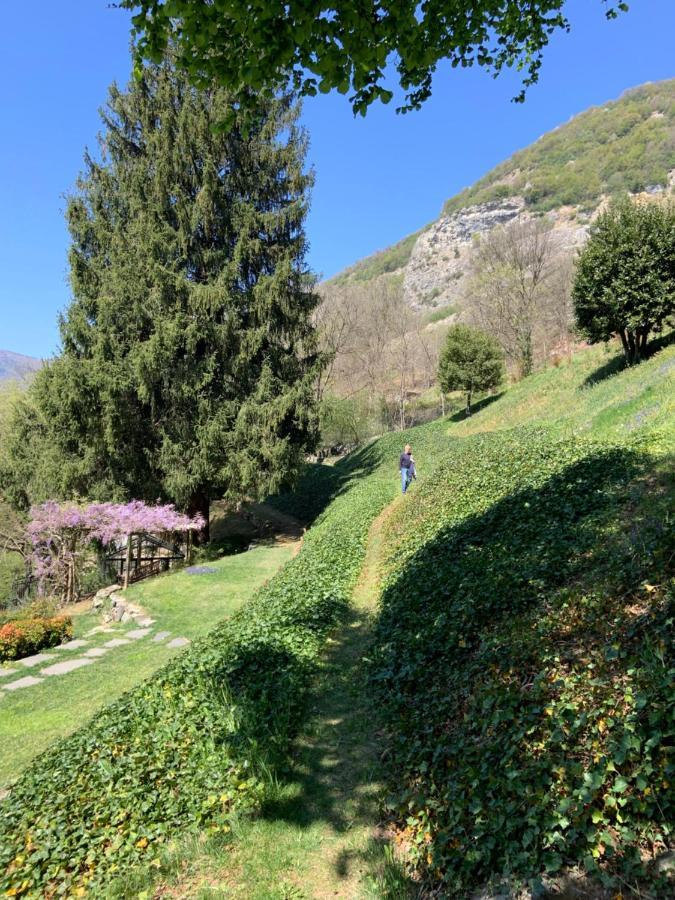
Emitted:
<point x="524" y="653"/>
<point x="183" y="750"/>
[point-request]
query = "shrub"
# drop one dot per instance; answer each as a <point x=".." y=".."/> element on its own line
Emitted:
<point x="625" y="278"/>
<point x="471" y="361"/>
<point x="22" y="637"/>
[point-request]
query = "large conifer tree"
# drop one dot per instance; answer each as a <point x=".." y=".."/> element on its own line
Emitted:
<point x="188" y="353"/>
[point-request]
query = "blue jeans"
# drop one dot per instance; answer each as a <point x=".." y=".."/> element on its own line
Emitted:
<point x="405" y="479"/>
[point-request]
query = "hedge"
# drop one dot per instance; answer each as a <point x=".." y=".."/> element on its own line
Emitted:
<point x="22" y="637"/>
<point x="524" y="661"/>
<point x="182" y="751"/>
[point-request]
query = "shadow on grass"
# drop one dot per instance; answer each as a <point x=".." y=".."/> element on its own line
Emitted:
<point x="539" y="587"/>
<point x="618" y="362"/>
<point x="319" y="485"/>
<point x="461" y="416"/>
<point x="335" y="770"/>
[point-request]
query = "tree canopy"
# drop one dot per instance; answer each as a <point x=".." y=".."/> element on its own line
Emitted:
<point x="471" y="361"/>
<point x="189" y="357"/>
<point x="262" y="46"/>
<point x="625" y="277"/>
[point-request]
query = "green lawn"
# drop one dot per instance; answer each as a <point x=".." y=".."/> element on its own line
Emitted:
<point x="187" y="606"/>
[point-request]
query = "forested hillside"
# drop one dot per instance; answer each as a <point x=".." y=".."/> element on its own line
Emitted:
<point x="500" y="256"/>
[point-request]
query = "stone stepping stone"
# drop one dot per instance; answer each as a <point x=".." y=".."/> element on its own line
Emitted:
<point x="73" y="645"/>
<point x="35" y="660"/>
<point x="160" y="636"/>
<point x="178" y="642"/>
<point x="137" y="633"/>
<point x="68" y="665"/>
<point x="100" y="629"/>
<point x="96" y="651"/>
<point x="116" y="642"/>
<point x="5" y="672"/>
<point x="146" y="621"/>
<point x="200" y="570"/>
<point x="27" y="681"/>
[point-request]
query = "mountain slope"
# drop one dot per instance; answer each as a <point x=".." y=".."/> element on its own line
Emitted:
<point x="625" y="145"/>
<point x="17" y="366"/>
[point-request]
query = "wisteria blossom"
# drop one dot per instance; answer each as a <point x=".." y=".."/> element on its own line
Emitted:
<point x="62" y="534"/>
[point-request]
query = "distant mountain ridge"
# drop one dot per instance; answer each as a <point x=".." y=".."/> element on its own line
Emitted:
<point x="16" y="366"/>
<point x="626" y="145"/>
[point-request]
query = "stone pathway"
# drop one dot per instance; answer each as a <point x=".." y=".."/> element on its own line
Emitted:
<point x="63" y="666"/>
<point x="30" y="661"/>
<point x="68" y="665"/>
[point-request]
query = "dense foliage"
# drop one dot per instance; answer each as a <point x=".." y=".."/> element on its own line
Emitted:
<point x="188" y="360"/>
<point x="22" y="637"/>
<point x="471" y="361"/>
<point x="626" y="145"/>
<point x="259" y="47"/>
<point x="182" y="750"/>
<point x="524" y="659"/>
<point x="625" y="275"/>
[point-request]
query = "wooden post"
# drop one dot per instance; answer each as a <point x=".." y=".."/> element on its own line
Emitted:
<point x="188" y="547"/>
<point x="128" y="563"/>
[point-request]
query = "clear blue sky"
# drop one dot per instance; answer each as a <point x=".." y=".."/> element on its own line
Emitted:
<point x="377" y="179"/>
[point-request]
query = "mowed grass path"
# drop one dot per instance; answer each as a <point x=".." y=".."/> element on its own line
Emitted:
<point x="188" y="606"/>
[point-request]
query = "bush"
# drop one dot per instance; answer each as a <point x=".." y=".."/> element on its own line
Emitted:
<point x="22" y="637"/>
<point x="471" y="361"/>
<point x="625" y="276"/>
<point x="524" y="660"/>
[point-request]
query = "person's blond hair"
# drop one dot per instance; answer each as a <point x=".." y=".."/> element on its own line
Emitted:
<point x="408" y="448"/>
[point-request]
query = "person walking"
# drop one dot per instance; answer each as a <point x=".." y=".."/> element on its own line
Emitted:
<point x="405" y="462"/>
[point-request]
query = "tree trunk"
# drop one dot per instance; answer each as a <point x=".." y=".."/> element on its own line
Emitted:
<point x="127" y="568"/>
<point x="468" y="403"/>
<point x="624" y="342"/>
<point x="200" y="503"/>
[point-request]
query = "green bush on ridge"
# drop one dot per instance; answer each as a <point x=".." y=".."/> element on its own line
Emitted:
<point x="523" y="663"/>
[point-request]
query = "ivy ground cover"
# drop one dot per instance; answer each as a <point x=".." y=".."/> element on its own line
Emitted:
<point x="524" y="654"/>
<point x="186" y="749"/>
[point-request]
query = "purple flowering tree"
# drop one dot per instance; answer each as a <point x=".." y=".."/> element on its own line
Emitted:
<point x="62" y="536"/>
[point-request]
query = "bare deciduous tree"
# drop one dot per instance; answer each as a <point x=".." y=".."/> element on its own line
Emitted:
<point x="519" y="291"/>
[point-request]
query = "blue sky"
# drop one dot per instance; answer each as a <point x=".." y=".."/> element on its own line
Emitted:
<point x="377" y="179"/>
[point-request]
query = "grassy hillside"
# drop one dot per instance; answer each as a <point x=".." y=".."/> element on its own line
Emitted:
<point x="524" y="654"/>
<point x="626" y="145"/>
<point x="521" y="659"/>
<point x="186" y="606"/>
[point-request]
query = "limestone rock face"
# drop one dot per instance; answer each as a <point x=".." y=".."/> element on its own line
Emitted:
<point x="439" y="259"/>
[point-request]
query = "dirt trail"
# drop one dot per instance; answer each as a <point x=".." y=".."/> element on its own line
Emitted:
<point x="320" y="839"/>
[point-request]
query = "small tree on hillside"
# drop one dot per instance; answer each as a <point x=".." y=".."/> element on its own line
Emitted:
<point x="625" y="276"/>
<point x="470" y="361"/>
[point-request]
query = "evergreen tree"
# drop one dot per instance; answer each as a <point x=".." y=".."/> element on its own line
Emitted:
<point x="189" y="356"/>
<point x="470" y="361"/>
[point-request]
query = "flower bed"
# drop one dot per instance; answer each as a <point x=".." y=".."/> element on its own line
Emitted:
<point x="22" y="637"/>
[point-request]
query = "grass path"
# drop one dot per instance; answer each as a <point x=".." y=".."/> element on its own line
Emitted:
<point x="320" y="838"/>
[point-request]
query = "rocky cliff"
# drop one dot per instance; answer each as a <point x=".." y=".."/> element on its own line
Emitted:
<point x="567" y="176"/>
